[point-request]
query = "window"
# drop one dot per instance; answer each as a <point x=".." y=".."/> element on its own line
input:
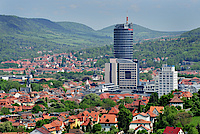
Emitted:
<point x="127" y="74"/>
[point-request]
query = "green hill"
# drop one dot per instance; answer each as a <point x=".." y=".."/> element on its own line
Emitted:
<point x="140" y="33"/>
<point x="192" y="33"/>
<point x="186" y="47"/>
<point x="24" y="37"/>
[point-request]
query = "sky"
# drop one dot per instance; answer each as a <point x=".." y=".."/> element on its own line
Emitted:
<point x="161" y="15"/>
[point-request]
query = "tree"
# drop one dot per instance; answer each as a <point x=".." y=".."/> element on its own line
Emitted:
<point x="96" y="127"/>
<point x="184" y="118"/>
<point x="71" y="105"/>
<point x="57" y="84"/>
<point x="198" y="127"/>
<point x="114" y="130"/>
<point x="88" y="127"/>
<point x="164" y="100"/>
<point x="90" y="100"/>
<point x="193" y="130"/>
<point x="154" y="98"/>
<point x="126" y="100"/>
<point x="142" y="132"/>
<point x="53" y="119"/>
<point x="16" y="104"/>
<point x="39" y="123"/>
<point x="179" y="107"/>
<point x="42" y="102"/>
<point x="124" y="118"/>
<point x="36" y="87"/>
<point x="108" y="103"/>
<point x="58" y="107"/>
<point x="5" y="111"/>
<point x="36" y="109"/>
<point x="6" y="126"/>
<point x="166" y="119"/>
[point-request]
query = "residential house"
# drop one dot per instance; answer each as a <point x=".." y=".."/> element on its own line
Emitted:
<point x="114" y="110"/>
<point x="56" y="127"/>
<point x="73" y="121"/>
<point x="173" y="130"/>
<point x="182" y="94"/>
<point x="156" y="109"/>
<point x="176" y="102"/>
<point x="108" y="120"/>
<point x="75" y="131"/>
<point x="141" y="127"/>
<point x="41" y="130"/>
<point x="143" y="121"/>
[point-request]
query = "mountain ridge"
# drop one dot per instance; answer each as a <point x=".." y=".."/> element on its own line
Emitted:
<point x="24" y="37"/>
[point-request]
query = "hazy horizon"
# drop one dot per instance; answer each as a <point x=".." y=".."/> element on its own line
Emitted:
<point x="159" y="15"/>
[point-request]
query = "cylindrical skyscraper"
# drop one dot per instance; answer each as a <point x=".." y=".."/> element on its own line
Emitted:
<point x="123" y="41"/>
<point x="123" y="70"/>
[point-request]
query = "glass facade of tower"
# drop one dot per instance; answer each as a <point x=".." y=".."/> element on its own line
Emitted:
<point x="123" y="41"/>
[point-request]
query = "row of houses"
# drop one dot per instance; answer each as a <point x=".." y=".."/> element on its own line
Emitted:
<point x="140" y="121"/>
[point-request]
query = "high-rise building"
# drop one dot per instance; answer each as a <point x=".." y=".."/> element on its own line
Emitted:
<point x="122" y="70"/>
<point x="167" y="80"/>
<point x="123" y="41"/>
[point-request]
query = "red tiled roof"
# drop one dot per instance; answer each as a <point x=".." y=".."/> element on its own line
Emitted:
<point x="143" y="127"/>
<point x="171" y="130"/>
<point x="103" y="111"/>
<point x="43" y="130"/>
<point x="114" y="110"/>
<point x="141" y="121"/>
<point x="108" y="118"/>
<point x="187" y="94"/>
<point x="158" y="108"/>
<point x="136" y="103"/>
<point x="176" y="99"/>
<point x="152" y="114"/>
<point x="86" y="122"/>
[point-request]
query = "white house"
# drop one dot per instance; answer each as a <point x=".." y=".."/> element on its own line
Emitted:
<point x="108" y="120"/>
<point x="141" y="121"/>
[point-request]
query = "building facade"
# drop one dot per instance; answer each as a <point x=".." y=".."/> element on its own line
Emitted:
<point x="122" y="72"/>
<point x="123" y="41"/>
<point x="167" y="80"/>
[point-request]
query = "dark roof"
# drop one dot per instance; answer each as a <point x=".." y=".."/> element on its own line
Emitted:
<point x="76" y="131"/>
<point x="171" y="130"/>
<point x="43" y="130"/>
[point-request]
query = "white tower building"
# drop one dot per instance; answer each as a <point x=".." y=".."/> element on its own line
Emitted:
<point x="167" y="80"/>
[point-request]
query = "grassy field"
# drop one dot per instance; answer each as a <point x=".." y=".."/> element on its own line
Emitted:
<point x="195" y="120"/>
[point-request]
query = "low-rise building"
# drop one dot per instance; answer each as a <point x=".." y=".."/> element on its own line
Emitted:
<point x="108" y="120"/>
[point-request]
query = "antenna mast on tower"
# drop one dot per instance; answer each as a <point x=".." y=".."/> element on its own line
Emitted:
<point x="127" y="18"/>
